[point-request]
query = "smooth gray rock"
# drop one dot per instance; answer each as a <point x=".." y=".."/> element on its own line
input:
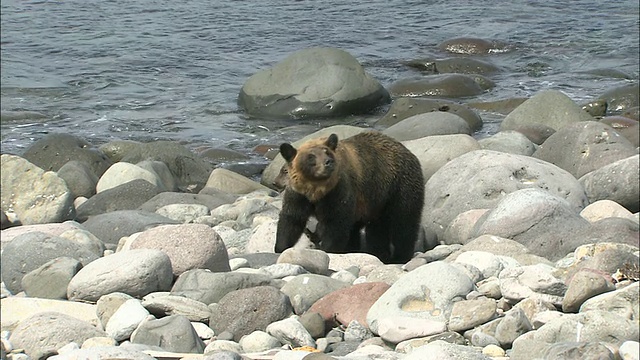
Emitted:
<point x="50" y="280"/>
<point x="315" y="325"/>
<point x="103" y="352"/>
<point x="211" y="200"/>
<point x="291" y="331"/>
<point x="108" y="304"/>
<point x="79" y="177"/>
<point x="621" y="98"/>
<point x="189" y="246"/>
<point x="123" y="172"/>
<point x="127" y="196"/>
<point x="427" y="292"/>
<point x="513" y="324"/>
<point x="442" y="85"/>
<point x="231" y="182"/>
<point x="112" y="226"/>
<point x="544" y="223"/>
<point x="52" y="151"/>
<point x="240" y="312"/>
<point x="304" y="290"/>
<point x="428" y="124"/>
<point x="403" y="108"/>
<point x="467" y="314"/>
<point x="116" y="150"/>
<point x="312" y="82"/>
<point x="167" y="304"/>
<point x="440" y="349"/>
<point x="41" y="335"/>
<point x="33" y="195"/>
<point x="29" y="251"/>
<point x="509" y="141"/>
<point x="578" y="351"/>
<point x="623" y="302"/>
<point x="551" y="108"/>
<point x="531" y="281"/>
<point x="133" y="272"/>
<point x="126" y="319"/>
<point x="584" y="147"/>
<point x="435" y="151"/>
<point x="584" y="285"/>
<point x="480" y="179"/>
<point x="209" y="287"/>
<point x="161" y="170"/>
<point x="258" y="341"/>
<point x="618" y="181"/>
<point x="314" y="261"/>
<point x="172" y="333"/>
<point x="459" y="65"/>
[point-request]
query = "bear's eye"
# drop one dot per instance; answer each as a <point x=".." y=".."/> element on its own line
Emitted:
<point x="311" y="158"/>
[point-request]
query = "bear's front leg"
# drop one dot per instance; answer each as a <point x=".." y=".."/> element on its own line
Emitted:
<point x="335" y="224"/>
<point x="292" y="221"/>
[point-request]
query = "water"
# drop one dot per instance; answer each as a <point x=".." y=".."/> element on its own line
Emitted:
<point x="147" y="70"/>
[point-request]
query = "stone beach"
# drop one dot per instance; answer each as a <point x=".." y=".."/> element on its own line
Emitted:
<point x="529" y="248"/>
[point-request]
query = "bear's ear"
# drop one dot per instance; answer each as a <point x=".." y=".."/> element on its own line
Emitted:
<point x="288" y="152"/>
<point x="332" y="141"/>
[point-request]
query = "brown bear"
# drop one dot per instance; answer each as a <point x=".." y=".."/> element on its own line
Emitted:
<point x="368" y="181"/>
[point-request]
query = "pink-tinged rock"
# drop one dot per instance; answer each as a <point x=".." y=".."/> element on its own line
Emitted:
<point x="189" y="246"/>
<point x="350" y="303"/>
<point x="399" y="328"/>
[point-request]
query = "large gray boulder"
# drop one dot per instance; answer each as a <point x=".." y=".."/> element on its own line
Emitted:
<point x="312" y="82"/>
<point x="127" y="196"/>
<point x="447" y="85"/>
<point x="273" y="169"/>
<point x="34" y="195"/>
<point x="172" y="333"/>
<point x="621" y="98"/>
<point x="480" y="179"/>
<point x="551" y="108"/>
<point x="112" y="226"/>
<point x="618" y="181"/>
<point x="584" y="147"/>
<point x="428" y="124"/>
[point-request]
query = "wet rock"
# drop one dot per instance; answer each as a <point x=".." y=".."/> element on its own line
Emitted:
<point x="621" y="98"/>
<point x="595" y="108"/>
<point x="460" y="65"/>
<point x="34" y="195"/>
<point x="189" y="246"/>
<point x="334" y="84"/>
<point x="172" y="333"/>
<point x="474" y="46"/>
<point x="50" y="280"/>
<point x="551" y="108"/>
<point x="403" y="108"/>
<point x="584" y="147"/>
<point x="445" y="85"/>
<point x="242" y="311"/>
<point x="428" y="124"/>
<point x="134" y="272"/>
<point x="489" y="176"/>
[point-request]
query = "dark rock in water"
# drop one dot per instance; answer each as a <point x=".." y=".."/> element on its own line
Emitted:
<point x="622" y="98"/>
<point x="447" y="86"/>
<point x="243" y="311"/>
<point x="116" y="150"/>
<point x="461" y="65"/>
<point x="128" y="196"/>
<point x="584" y="147"/>
<point x="632" y="113"/>
<point x="54" y="150"/>
<point x="315" y="82"/>
<point x="31" y="250"/>
<point x="596" y="107"/>
<point x="471" y="46"/>
<point x="403" y="108"/>
<point x="190" y="171"/>
<point x="110" y="227"/>
<point x="211" y="201"/>
<point x="172" y="333"/>
<point x="609" y="73"/>
<point x="503" y="107"/>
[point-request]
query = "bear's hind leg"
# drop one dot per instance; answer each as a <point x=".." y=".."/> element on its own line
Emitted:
<point x="377" y="240"/>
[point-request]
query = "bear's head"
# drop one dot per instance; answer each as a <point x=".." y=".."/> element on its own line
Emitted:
<point x="313" y="167"/>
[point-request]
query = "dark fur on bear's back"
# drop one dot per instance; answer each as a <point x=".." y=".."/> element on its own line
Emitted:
<point x="368" y="180"/>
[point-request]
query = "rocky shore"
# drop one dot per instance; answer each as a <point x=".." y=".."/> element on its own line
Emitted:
<point x="530" y="244"/>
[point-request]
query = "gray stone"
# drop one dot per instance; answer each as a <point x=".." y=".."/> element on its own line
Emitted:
<point x="623" y="302"/>
<point x="461" y="65"/>
<point x="33" y="195"/>
<point x="480" y="179"/>
<point x="279" y="271"/>
<point x="584" y="285"/>
<point x="357" y="332"/>
<point x="621" y="98"/>
<point x="232" y="182"/>
<point x="108" y="304"/>
<point x="329" y="82"/>
<point x="50" y="280"/>
<point x="314" y="323"/>
<point x="402" y="108"/>
<point x="617" y="181"/>
<point x="551" y="108"/>
<point x="435" y="151"/>
<point x="443" y="350"/>
<point x="240" y="312"/>
<point x="532" y="281"/>
<point x="112" y="226"/>
<point x="41" y="335"/>
<point x="441" y="85"/>
<point x="122" y="172"/>
<point x="314" y="261"/>
<point x="103" y="352"/>
<point x="395" y="329"/>
<point x="134" y="272"/>
<point x="116" y="150"/>
<point x="602" y="209"/>
<point x="630" y="350"/>
<point x="578" y="351"/>
<point x="189" y="246"/>
<point x="172" y="333"/>
<point x="427" y="292"/>
<point x="167" y="305"/>
<point x="126" y="319"/>
<point x="29" y="251"/>
<point x="584" y="147"/>
<point x="162" y="172"/>
<point x="258" y="341"/>
<point x="79" y="178"/>
<point x="460" y="229"/>
<point x="127" y="196"/>
<point x="211" y="200"/>
<point x="543" y="222"/>
<point x="290" y="331"/>
<point x="209" y="287"/>
<point x="184" y="213"/>
<point x="514" y="324"/>
<point x="428" y="124"/>
<point x="304" y="290"/>
<point x="509" y="141"/>
<point x="468" y="314"/>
